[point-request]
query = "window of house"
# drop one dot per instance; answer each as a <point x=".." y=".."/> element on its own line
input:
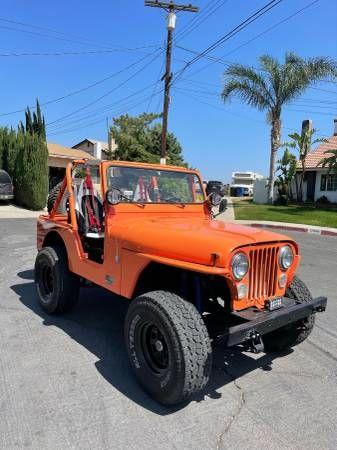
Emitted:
<point x="328" y="182"/>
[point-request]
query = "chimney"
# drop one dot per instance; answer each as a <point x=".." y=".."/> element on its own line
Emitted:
<point x="98" y="150"/>
<point x="306" y="128"/>
<point x="335" y="127"/>
<point x="306" y="125"/>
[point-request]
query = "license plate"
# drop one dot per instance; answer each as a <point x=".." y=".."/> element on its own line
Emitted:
<point x="274" y="303"/>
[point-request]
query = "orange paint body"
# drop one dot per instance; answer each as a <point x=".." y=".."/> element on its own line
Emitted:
<point x="182" y="236"/>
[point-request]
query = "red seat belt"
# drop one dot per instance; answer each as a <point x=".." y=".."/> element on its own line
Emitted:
<point x="94" y="222"/>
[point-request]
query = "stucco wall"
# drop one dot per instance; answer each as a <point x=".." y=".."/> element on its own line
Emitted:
<point x="331" y="195"/>
<point x="54" y="161"/>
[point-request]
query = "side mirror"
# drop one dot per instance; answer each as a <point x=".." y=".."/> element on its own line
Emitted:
<point x="215" y="199"/>
<point x="223" y="205"/>
<point x="113" y="196"/>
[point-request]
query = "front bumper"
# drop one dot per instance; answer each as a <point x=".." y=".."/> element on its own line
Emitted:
<point x="260" y="322"/>
<point x="6" y="196"/>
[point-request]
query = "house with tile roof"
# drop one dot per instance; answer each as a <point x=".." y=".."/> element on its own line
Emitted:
<point x="58" y="158"/>
<point x="317" y="180"/>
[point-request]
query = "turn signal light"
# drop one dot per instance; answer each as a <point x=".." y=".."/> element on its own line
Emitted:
<point x="242" y="291"/>
<point x="282" y="281"/>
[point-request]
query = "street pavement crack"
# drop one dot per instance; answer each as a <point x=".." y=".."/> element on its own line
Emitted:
<point x="235" y="415"/>
<point x="325" y="352"/>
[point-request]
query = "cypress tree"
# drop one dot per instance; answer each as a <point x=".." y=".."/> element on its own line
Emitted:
<point x="24" y="155"/>
<point x="40" y="120"/>
<point x="29" y="122"/>
<point x="31" y="173"/>
<point x="21" y="128"/>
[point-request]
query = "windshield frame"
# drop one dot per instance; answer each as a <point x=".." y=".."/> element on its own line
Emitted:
<point x="145" y="166"/>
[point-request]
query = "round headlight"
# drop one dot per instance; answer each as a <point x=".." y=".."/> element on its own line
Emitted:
<point x="240" y="265"/>
<point x="286" y="257"/>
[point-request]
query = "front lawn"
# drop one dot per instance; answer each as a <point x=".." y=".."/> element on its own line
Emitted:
<point x="247" y="210"/>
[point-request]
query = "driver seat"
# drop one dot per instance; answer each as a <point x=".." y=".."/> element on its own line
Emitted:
<point x="89" y="210"/>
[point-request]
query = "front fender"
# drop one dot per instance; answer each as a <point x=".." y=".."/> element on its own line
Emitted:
<point x="134" y="263"/>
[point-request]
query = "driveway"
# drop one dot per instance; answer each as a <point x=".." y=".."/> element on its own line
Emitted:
<point x="65" y="381"/>
<point x="11" y="211"/>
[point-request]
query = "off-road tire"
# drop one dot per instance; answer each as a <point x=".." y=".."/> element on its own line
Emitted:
<point x="187" y="342"/>
<point x="57" y="287"/>
<point x="294" y="333"/>
<point x="52" y="196"/>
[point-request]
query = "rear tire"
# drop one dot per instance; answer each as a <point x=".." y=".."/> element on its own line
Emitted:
<point x="168" y="346"/>
<point x="57" y="287"/>
<point x="294" y="333"/>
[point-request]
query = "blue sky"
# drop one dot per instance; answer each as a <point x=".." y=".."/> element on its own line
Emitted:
<point x="216" y="138"/>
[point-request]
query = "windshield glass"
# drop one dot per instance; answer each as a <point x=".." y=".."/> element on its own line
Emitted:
<point x="155" y="186"/>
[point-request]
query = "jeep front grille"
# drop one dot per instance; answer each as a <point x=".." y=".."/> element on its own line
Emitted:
<point x="263" y="272"/>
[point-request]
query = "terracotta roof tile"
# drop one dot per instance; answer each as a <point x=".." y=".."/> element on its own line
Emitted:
<point x="315" y="156"/>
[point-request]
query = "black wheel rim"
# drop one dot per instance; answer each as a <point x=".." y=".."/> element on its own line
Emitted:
<point x="154" y="348"/>
<point x="46" y="281"/>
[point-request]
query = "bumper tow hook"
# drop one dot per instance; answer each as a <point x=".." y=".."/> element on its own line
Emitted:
<point x="256" y="342"/>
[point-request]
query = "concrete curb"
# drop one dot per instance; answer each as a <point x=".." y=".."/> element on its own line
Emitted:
<point x="322" y="231"/>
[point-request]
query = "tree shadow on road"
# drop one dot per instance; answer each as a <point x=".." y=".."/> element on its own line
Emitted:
<point x="97" y="322"/>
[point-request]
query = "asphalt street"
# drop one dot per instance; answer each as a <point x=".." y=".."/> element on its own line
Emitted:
<point x="65" y="381"/>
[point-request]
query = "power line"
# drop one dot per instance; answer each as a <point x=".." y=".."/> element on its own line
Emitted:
<point x="216" y="94"/>
<point x="108" y="92"/>
<point x="103" y="108"/>
<point x="313" y="112"/>
<point x="193" y="20"/>
<point x="205" y="83"/>
<point x="314" y="106"/>
<point x="231" y="112"/>
<point x="181" y="91"/>
<point x="65" y="53"/>
<point x="156" y="85"/>
<point x="85" y="88"/>
<point x="220" y="60"/>
<point x="323" y="90"/>
<point x="103" y="118"/>
<point x="272" y="27"/>
<point x="200" y="18"/>
<point x="79" y="40"/>
<point x="252" y="18"/>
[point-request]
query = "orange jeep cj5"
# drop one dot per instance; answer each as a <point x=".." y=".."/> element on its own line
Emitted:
<point x="146" y="232"/>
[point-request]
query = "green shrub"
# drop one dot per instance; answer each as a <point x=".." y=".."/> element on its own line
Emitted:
<point x="31" y="171"/>
<point x="24" y="155"/>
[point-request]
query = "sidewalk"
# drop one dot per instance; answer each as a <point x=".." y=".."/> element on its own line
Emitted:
<point x="9" y="211"/>
<point x="313" y="229"/>
<point x="228" y="216"/>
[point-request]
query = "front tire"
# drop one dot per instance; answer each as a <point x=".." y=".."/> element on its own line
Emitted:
<point x="294" y="333"/>
<point x="57" y="287"/>
<point x="168" y="346"/>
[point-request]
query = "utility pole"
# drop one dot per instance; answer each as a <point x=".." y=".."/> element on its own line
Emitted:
<point x="171" y="8"/>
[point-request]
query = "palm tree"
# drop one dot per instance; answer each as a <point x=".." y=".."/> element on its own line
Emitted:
<point x="272" y="86"/>
<point x="330" y="161"/>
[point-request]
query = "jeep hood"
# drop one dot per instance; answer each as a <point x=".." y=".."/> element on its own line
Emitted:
<point x="191" y="239"/>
